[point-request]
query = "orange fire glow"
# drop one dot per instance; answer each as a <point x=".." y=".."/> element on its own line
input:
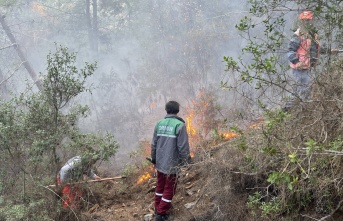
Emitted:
<point x="256" y="124"/>
<point x="144" y="177"/>
<point x="229" y="135"/>
<point x="152" y="105"/>
<point x="197" y="111"/>
<point x="190" y="128"/>
<point x="192" y="154"/>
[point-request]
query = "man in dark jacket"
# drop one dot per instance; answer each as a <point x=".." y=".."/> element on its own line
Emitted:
<point x="169" y="151"/>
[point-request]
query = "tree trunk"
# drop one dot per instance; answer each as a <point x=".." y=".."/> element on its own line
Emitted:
<point x="3" y="88"/>
<point x="20" y="53"/>
<point x="89" y="25"/>
<point x="95" y="26"/>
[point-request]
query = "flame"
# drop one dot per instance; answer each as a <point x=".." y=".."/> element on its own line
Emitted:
<point x="190" y="128"/>
<point x="256" y="124"/>
<point x="152" y="105"/>
<point x="144" y="177"/>
<point x="197" y="112"/>
<point x="192" y="154"/>
<point x="148" y="174"/>
<point x="229" y="135"/>
<point x="191" y="131"/>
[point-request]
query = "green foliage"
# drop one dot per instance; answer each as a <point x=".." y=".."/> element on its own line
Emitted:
<point x="63" y="80"/>
<point x="311" y="146"/>
<point x="336" y="145"/>
<point x="279" y="178"/>
<point x="244" y="24"/>
<point x="275" y="118"/>
<point x="298" y="152"/>
<point x="7" y="3"/>
<point x="231" y="64"/>
<point x="36" y="130"/>
<point x="257" y="202"/>
<point x="14" y="212"/>
<point x="271" y="208"/>
<point x="129" y="170"/>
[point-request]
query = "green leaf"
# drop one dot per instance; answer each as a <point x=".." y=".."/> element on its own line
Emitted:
<point x="293" y="158"/>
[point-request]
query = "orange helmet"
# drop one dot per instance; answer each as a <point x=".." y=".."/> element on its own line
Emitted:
<point x="306" y="15"/>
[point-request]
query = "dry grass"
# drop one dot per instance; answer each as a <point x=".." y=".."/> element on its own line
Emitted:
<point x="311" y="132"/>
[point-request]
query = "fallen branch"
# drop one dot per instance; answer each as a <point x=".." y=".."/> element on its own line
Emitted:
<point x="8" y="46"/>
<point x="333" y="212"/>
<point x="91" y="181"/>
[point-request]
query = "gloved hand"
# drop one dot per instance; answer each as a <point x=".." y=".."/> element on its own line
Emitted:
<point x="334" y="51"/>
<point x="299" y="65"/>
<point x="96" y="177"/>
<point x="153" y="161"/>
<point x="295" y="61"/>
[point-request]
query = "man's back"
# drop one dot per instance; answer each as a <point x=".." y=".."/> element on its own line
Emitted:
<point x="170" y="142"/>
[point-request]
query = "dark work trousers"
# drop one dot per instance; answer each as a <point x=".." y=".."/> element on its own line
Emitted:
<point x="165" y="190"/>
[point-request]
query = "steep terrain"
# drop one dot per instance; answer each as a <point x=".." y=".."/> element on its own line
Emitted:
<point x="131" y="198"/>
<point x="128" y="200"/>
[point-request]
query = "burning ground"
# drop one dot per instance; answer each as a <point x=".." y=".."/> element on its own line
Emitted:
<point x="199" y="183"/>
<point x="132" y="198"/>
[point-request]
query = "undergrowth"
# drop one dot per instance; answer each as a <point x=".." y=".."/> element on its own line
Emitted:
<point x="291" y="165"/>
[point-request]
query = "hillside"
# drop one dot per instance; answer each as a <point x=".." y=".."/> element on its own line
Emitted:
<point x="284" y="166"/>
<point x="128" y="200"/>
<point x="256" y="175"/>
<point x="132" y="198"/>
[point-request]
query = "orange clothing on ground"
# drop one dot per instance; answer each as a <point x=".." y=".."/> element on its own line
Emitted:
<point x="71" y="195"/>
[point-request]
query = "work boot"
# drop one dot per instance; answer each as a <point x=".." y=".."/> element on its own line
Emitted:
<point x="161" y="217"/>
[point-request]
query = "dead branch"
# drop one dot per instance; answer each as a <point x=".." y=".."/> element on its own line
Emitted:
<point x="333" y="212"/>
<point x="8" y="46"/>
<point x="90" y="181"/>
<point x="11" y="74"/>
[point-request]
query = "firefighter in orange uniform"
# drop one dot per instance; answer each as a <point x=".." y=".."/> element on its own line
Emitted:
<point x="303" y="53"/>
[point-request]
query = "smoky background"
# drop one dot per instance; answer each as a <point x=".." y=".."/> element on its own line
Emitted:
<point x="147" y="52"/>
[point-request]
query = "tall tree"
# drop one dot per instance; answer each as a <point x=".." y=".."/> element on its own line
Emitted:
<point x="20" y="52"/>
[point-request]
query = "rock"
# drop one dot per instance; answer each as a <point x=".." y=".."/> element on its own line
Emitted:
<point x="190" y="205"/>
<point x="189" y="193"/>
<point x="148" y="217"/>
<point x="135" y="215"/>
<point x="152" y="189"/>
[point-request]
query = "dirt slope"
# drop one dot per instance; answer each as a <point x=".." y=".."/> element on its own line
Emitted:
<point x="127" y="200"/>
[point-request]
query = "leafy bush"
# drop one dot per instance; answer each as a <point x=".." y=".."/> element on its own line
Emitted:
<point x="39" y="130"/>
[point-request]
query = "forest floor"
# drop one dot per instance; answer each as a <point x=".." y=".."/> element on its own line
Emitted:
<point x="132" y="198"/>
<point x="127" y="200"/>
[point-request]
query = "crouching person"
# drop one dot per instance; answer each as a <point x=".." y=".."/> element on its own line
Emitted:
<point x="169" y="151"/>
<point x="70" y="174"/>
